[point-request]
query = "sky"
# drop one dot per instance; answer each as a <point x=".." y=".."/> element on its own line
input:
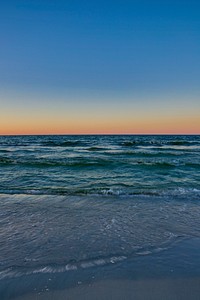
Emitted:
<point x="99" y="67"/>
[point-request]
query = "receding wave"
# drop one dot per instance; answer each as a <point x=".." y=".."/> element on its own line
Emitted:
<point x="14" y="272"/>
<point x="71" y="266"/>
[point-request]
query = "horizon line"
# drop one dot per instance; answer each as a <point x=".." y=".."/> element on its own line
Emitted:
<point x="99" y="134"/>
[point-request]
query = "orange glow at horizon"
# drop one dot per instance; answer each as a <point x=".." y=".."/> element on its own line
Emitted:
<point x="148" y="124"/>
<point x="28" y="113"/>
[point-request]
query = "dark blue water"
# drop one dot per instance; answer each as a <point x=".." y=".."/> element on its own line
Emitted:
<point x="69" y="203"/>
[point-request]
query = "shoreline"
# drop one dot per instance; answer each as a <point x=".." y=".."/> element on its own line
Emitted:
<point x="172" y="274"/>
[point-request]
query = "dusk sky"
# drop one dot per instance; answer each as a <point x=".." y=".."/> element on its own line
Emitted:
<point x="76" y="67"/>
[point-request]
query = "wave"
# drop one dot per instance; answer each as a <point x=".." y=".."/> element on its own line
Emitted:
<point x="140" y="153"/>
<point x="155" y="164"/>
<point x="81" y="162"/>
<point x="93" y="262"/>
<point x="14" y="271"/>
<point x="71" y="266"/>
<point x="43" y="163"/>
<point x="95" y="148"/>
<point x="5" y="161"/>
<point x="96" y="141"/>
<point x="183" y="143"/>
<point x="4" y="151"/>
<point x="121" y="191"/>
<point x="158" y="143"/>
<point x="63" y="144"/>
<point x="129" y="144"/>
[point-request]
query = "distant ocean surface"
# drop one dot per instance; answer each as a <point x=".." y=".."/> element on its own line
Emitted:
<point x="76" y="202"/>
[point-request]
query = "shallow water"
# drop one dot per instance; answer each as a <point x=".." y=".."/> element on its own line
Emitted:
<point x="73" y="203"/>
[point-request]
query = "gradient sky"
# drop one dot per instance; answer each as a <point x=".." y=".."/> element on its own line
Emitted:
<point x="75" y="66"/>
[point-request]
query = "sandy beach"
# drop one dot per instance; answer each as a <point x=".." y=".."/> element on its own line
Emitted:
<point x="165" y="289"/>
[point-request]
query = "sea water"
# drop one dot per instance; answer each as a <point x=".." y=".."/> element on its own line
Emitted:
<point x="75" y="203"/>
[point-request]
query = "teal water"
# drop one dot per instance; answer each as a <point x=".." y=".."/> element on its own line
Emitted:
<point x="119" y="165"/>
<point x="70" y="203"/>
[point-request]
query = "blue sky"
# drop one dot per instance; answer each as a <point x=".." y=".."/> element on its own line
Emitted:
<point x="92" y="52"/>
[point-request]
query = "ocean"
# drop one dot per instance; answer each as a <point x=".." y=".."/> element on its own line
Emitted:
<point x="78" y="209"/>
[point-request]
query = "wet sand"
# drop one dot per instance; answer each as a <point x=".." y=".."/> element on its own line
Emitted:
<point x="149" y="289"/>
<point x="172" y="274"/>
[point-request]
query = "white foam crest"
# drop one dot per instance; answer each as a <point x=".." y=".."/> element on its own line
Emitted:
<point x="70" y="267"/>
<point x="14" y="273"/>
<point x="102" y="261"/>
<point x="149" y="252"/>
<point x="112" y="192"/>
<point x="116" y="259"/>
